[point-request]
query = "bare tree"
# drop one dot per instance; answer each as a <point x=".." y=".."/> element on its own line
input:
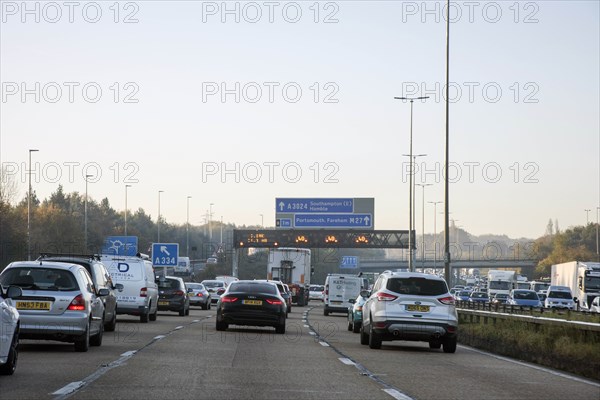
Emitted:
<point x="9" y="187"/>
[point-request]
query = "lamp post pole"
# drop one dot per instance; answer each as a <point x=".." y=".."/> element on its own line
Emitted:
<point x="587" y="216"/>
<point x="447" y="266"/>
<point x="435" y="203"/>
<point x="187" y="229"/>
<point x="410" y="184"/>
<point x="126" y="186"/>
<point x="29" y="208"/>
<point x="85" y="214"/>
<point x="262" y="221"/>
<point x="423" y="223"/>
<point x="210" y="222"/>
<point x="158" y="219"/>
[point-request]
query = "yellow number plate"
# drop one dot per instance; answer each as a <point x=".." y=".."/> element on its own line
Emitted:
<point x="163" y="303"/>
<point x="252" y="302"/>
<point x="415" y="307"/>
<point x="33" y="305"/>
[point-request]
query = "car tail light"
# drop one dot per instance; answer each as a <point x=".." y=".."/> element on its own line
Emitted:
<point x="447" y="300"/>
<point x="228" y="299"/>
<point x="382" y="296"/>
<point x="451" y="329"/>
<point x="359" y="308"/>
<point x="220" y="291"/>
<point x="274" y="301"/>
<point x="77" y="304"/>
<point x="199" y="294"/>
<point x="179" y="293"/>
<point x="144" y="292"/>
<point x="327" y="290"/>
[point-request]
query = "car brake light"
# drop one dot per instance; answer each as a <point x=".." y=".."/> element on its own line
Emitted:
<point x="274" y="301"/>
<point x="382" y="296"/>
<point x="359" y="308"/>
<point x="447" y="300"/>
<point x="228" y="299"/>
<point x="199" y="294"/>
<point x="77" y="304"/>
<point x="327" y="290"/>
<point x="144" y="292"/>
<point x="179" y="293"/>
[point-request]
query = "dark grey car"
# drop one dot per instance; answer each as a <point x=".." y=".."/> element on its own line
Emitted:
<point x="100" y="278"/>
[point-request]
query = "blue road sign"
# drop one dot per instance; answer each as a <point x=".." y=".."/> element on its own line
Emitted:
<point x="165" y="254"/>
<point x="349" y="262"/>
<point x="285" y="205"/>
<point x="333" y="220"/>
<point x="284" y="222"/>
<point x="120" y="245"/>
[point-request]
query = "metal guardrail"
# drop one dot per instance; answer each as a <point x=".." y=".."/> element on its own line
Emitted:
<point x="522" y="313"/>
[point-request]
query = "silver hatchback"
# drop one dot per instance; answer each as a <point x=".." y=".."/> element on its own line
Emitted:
<point x="410" y="306"/>
<point x="58" y="302"/>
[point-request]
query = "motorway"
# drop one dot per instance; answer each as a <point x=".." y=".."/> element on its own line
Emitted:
<point x="185" y="357"/>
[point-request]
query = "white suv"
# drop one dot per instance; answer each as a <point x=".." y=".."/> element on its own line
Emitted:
<point x="410" y="306"/>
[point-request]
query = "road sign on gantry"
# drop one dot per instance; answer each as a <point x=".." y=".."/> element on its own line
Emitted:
<point x="165" y="254"/>
<point x="324" y="213"/>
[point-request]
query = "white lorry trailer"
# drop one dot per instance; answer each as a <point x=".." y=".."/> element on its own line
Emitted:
<point x="291" y="266"/>
<point x="583" y="278"/>
<point x="500" y="281"/>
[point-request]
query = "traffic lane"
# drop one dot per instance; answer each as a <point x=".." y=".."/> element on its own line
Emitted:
<point x="424" y="373"/>
<point x="240" y="363"/>
<point x="46" y="366"/>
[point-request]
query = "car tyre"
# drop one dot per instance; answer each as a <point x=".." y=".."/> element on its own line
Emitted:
<point x="325" y="312"/>
<point x="280" y="329"/>
<point x="449" y="345"/>
<point x="182" y="312"/>
<point x="435" y="344"/>
<point x="13" y="355"/>
<point x="111" y="326"/>
<point x="222" y="326"/>
<point x="364" y="338"/>
<point x="356" y="328"/>
<point x="82" y="344"/>
<point x="153" y="316"/>
<point x="204" y="306"/>
<point x="96" y="340"/>
<point x="374" y="338"/>
<point x="350" y="326"/>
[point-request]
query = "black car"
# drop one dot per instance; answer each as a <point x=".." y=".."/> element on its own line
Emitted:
<point x="100" y="278"/>
<point x="252" y="303"/>
<point x="172" y="295"/>
<point x="283" y="292"/>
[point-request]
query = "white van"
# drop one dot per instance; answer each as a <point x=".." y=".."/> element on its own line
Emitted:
<point x="140" y="291"/>
<point x="559" y="297"/>
<point x="227" y="279"/>
<point x="339" y="289"/>
<point x="183" y="266"/>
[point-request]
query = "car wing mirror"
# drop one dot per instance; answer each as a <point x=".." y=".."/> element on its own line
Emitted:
<point x="351" y="301"/>
<point x="103" y="292"/>
<point x="14" y="292"/>
<point x="365" y="293"/>
<point x="119" y="287"/>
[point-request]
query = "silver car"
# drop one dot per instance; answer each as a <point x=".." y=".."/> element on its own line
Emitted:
<point x="410" y="306"/>
<point x="59" y="302"/>
<point x="9" y="330"/>
<point x="198" y="295"/>
<point x="215" y="287"/>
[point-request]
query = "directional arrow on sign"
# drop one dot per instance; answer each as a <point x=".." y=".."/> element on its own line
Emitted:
<point x="281" y="205"/>
<point x="367" y="219"/>
<point x="163" y="249"/>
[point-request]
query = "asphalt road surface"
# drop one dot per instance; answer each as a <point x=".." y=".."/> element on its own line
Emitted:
<point x="185" y="357"/>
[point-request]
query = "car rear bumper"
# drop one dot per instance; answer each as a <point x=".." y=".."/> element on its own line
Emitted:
<point x="198" y="300"/>
<point x="253" y="318"/>
<point x="417" y="331"/>
<point x="53" y="326"/>
<point x="171" y="304"/>
<point x="132" y="309"/>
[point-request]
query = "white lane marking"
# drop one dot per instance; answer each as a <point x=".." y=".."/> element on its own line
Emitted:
<point x="195" y="321"/>
<point x="307" y="326"/>
<point x="346" y="361"/>
<point x="324" y="344"/>
<point x="70" y="388"/>
<point x="397" y="394"/>
<point x="311" y="333"/>
<point x="178" y="328"/>
<point x="129" y="353"/>
<point x="539" y="368"/>
<point x="159" y="337"/>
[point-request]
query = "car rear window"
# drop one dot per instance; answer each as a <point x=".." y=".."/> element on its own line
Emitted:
<point x="213" y="284"/>
<point x="253" y="288"/>
<point x="168" y="284"/>
<point x="526" y="296"/>
<point x="50" y="279"/>
<point x="417" y="286"/>
<point x="196" y="286"/>
<point x="559" y="295"/>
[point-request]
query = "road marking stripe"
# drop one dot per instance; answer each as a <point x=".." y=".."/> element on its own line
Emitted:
<point x="70" y="388"/>
<point x="346" y="361"/>
<point x="324" y="344"/>
<point x="312" y="333"/>
<point x="158" y="337"/>
<point x="129" y="353"/>
<point x="397" y="394"/>
<point x="306" y="326"/>
<point x="178" y="327"/>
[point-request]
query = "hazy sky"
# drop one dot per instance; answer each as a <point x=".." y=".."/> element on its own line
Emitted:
<point x="238" y="103"/>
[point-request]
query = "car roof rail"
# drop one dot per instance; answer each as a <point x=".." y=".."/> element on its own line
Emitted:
<point x="44" y="255"/>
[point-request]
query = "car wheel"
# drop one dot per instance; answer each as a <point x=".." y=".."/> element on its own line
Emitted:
<point x="350" y="326"/>
<point x="111" y="326"/>
<point x="182" y="312"/>
<point x="280" y="328"/>
<point x="222" y="326"/>
<point x="13" y="355"/>
<point x="374" y="338"/>
<point x="208" y="305"/>
<point x="204" y="306"/>
<point x="144" y="317"/>
<point x="449" y="345"/>
<point x="96" y="340"/>
<point x="356" y="327"/>
<point x="325" y="312"/>
<point x="153" y="316"/>
<point x="187" y="311"/>
<point x="364" y="338"/>
<point x="435" y="344"/>
<point x="82" y="344"/>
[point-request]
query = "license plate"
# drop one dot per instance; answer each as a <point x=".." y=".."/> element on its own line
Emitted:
<point x="163" y="303"/>
<point x="252" y="302"/>
<point x="33" y="305"/>
<point x="416" y="307"/>
<point x="335" y="302"/>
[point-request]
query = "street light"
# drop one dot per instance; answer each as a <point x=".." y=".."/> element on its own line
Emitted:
<point x="210" y="222"/>
<point x="158" y="219"/>
<point x="221" y="229"/>
<point x="187" y="229"/>
<point x="29" y="208"/>
<point x="126" y="186"/>
<point x="435" y="203"/>
<point x="262" y="221"/>
<point x="597" y="244"/>
<point x="411" y="204"/>
<point x="85" y="213"/>
<point x="587" y="216"/>
<point x="423" y="224"/>
<point x="447" y="157"/>
<point x="410" y="195"/>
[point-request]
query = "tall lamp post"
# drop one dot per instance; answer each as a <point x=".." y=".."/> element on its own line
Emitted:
<point x="410" y="194"/>
<point x="85" y="214"/>
<point x="210" y="213"/>
<point x="597" y="243"/>
<point x="587" y="216"/>
<point x="411" y="205"/>
<point x="447" y="158"/>
<point x="158" y="219"/>
<point x="221" y="229"/>
<point x="126" y="186"/>
<point x="423" y="223"/>
<point x="435" y="203"/>
<point x="29" y="208"/>
<point x="262" y="221"/>
<point x="187" y="229"/>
